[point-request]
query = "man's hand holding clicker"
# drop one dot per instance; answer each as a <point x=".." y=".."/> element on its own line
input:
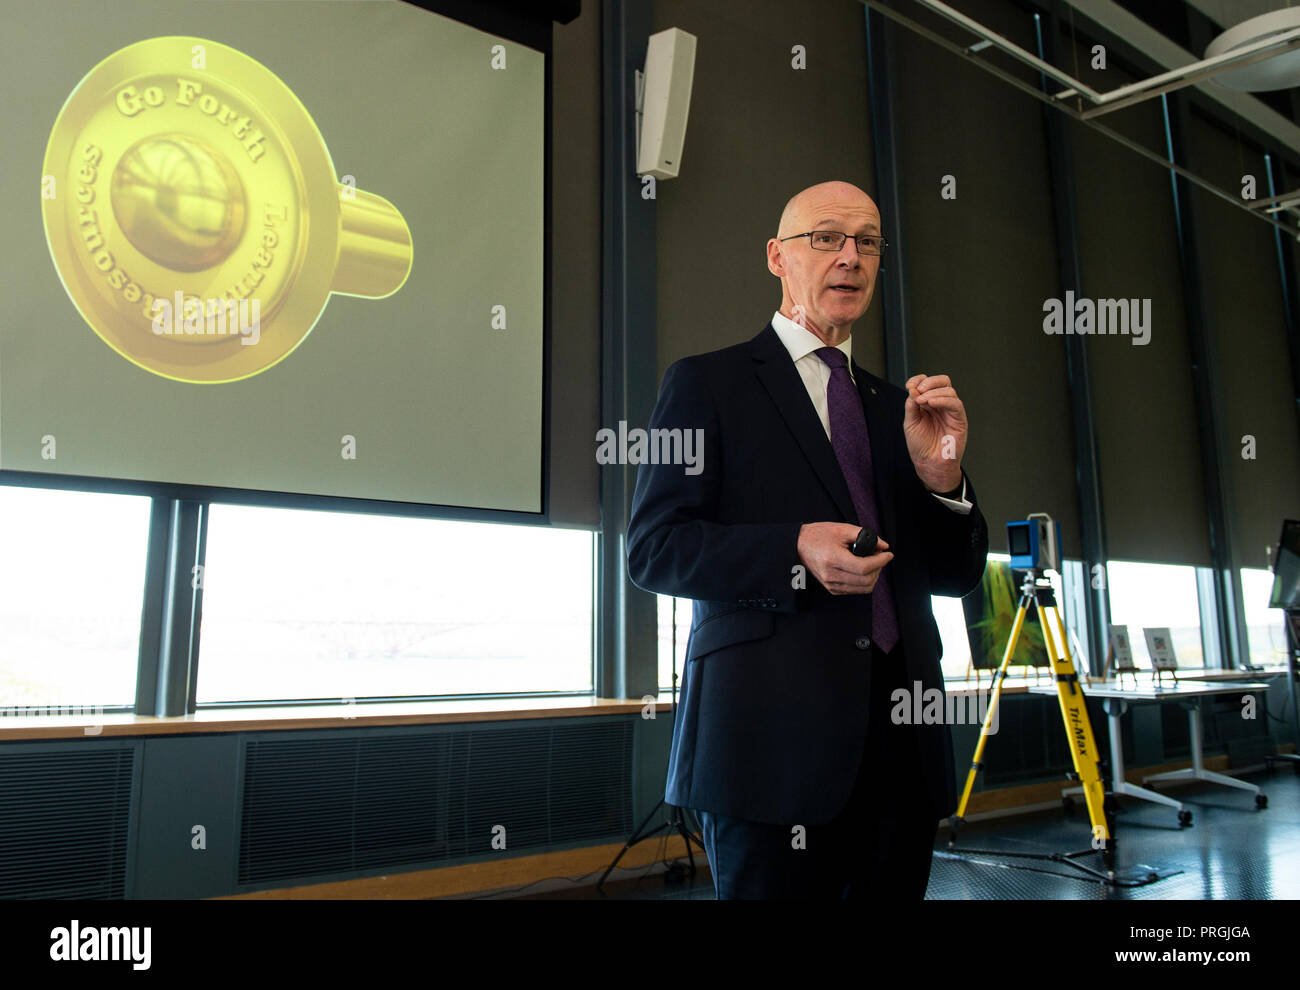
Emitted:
<point x="824" y="550"/>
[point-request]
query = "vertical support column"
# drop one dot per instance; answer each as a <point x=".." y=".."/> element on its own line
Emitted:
<point x="1207" y="389"/>
<point x="173" y="604"/>
<point x="626" y="620"/>
<point x="1207" y="604"/>
<point x="1087" y="479"/>
<point x="889" y="196"/>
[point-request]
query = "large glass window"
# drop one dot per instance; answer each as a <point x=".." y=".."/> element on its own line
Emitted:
<point x="71" y="589"/>
<point x="951" y="620"/>
<point x="1157" y="595"/>
<point x="672" y="625"/>
<point x="329" y="605"/>
<point x="1264" y="626"/>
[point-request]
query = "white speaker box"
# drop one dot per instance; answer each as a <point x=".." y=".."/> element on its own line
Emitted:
<point x="665" y="102"/>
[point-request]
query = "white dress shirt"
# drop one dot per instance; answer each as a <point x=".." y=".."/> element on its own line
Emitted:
<point x="816" y="374"/>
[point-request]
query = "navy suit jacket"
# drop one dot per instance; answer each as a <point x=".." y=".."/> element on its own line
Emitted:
<point x="774" y="697"/>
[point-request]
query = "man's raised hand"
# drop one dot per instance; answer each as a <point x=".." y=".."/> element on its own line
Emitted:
<point x="935" y="427"/>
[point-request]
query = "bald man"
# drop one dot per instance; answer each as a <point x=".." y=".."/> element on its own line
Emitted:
<point x="784" y="744"/>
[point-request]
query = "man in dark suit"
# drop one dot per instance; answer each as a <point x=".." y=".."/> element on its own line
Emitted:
<point x="784" y="744"/>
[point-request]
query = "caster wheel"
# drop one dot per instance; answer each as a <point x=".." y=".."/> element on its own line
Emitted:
<point x="1184" y="817"/>
<point x="1261" y="800"/>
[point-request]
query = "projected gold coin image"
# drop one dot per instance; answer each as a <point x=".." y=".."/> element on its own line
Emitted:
<point x="178" y="202"/>
<point x="194" y="215"/>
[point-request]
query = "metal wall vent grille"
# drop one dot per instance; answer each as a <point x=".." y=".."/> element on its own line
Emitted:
<point x="64" y="820"/>
<point x="323" y="806"/>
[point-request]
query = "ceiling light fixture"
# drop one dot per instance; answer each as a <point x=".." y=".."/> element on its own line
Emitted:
<point x="1279" y="72"/>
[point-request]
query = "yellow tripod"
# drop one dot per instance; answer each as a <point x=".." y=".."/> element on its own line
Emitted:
<point x="1074" y="712"/>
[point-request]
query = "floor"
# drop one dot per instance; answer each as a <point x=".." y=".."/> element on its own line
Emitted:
<point x="1230" y="851"/>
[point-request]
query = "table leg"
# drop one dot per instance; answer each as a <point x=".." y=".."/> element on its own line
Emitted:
<point x="1197" y="770"/>
<point x="1115" y="709"/>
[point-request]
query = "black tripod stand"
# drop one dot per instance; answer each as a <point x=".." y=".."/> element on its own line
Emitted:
<point x="676" y="817"/>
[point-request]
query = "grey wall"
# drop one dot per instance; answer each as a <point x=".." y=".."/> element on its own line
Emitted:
<point x="1142" y="395"/>
<point x="759" y="131"/>
<point x="979" y="268"/>
<point x="1245" y="314"/>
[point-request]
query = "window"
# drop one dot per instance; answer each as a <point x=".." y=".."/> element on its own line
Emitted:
<point x="1147" y="595"/>
<point x="329" y="605"/>
<point x="1264" y="626"/>
<point x="951" y="620"/>
<point x="71" y="590"/>
<point x="947" y="614"/>
<point x="682" y="629"/>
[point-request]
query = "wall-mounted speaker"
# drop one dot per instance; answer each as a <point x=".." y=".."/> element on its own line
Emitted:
<point x="665" y="102"/>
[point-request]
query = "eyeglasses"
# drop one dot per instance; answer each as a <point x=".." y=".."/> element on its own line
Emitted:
<point x="833" y="240"/>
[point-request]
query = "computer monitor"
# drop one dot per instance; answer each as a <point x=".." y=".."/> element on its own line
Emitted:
<point x="1286" y="568"/>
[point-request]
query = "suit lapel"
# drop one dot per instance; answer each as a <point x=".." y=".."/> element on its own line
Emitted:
<point x="884" y="434"/>
<point x="778" y="376"/>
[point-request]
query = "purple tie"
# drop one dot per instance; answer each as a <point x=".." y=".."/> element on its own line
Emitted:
<point x="853" y="451"/>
